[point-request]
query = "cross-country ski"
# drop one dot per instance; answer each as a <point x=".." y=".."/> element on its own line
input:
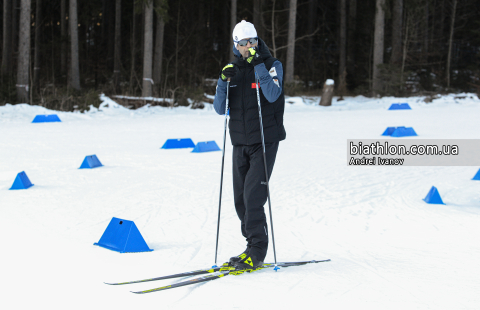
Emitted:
<point x="223" y="268"/>
<point x="217" y="273"/>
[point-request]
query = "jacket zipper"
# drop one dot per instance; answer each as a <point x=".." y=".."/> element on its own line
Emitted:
<point x="243" y="105"/>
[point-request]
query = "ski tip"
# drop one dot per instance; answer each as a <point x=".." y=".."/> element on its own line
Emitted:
<point x="143" y="292"/>
<point x="109" y="283"/>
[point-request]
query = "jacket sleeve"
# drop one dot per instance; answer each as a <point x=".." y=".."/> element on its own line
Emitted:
<point x="220" y="97"/>
<point x="271" y="82"/>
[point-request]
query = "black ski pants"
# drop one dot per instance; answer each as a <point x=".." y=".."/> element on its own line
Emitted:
<point x="250" y="193"/>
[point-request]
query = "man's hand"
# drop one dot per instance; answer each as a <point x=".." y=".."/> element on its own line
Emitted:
<point x="228" y="72"/>
<point x="255" y="58"/>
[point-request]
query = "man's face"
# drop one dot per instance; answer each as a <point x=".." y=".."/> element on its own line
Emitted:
<point x="244" y="49"/>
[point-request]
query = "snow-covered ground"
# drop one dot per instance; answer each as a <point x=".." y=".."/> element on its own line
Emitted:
<point x="389" y="249"/>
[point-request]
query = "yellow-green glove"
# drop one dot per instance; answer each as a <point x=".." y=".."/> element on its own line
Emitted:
<point x="255" y="57"/>
<point x="228" y="72"/>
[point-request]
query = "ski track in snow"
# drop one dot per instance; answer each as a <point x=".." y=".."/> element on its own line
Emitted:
<point x="389" y="249"/>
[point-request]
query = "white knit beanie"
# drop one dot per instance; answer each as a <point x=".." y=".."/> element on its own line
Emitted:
<point x="243" y="30"/>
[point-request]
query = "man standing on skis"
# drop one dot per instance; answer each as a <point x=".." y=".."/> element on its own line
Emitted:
<point x="252" y="57"/>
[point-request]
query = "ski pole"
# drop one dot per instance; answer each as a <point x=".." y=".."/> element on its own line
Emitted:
<point x="266" y="172"/>
<point x="221" y="176"/>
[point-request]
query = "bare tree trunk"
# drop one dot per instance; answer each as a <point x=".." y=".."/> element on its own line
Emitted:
<point x="192" y="61"/>
<point x="110" y="33"/>
<point x="15" y="30"/>
<point x="176" y="45"/>
<point x="23" y="68"/>
<point x="104" y="30"/>
<point x="405" y="47"/>
<point x="74" y="64"/>
<point x="148" y="51"/>
<point x="63" y="32"/>
<point x="117" y="51"/>
<point x="426" y="33"/>
<point x="257" y="18"/>
<point x="52" y="54"/>
<point x="273" y="30"/>
<point x="378" y="46"/>
<point x="397" y="26"/>
<point x="312" y="20"/>
<point x="290" y="65"/>
<point x="428" y="13"/>
<point x="226" y="34"/>
<point x="233" y="22"/>
<point x="450" y="42"/>
<point x="157" y="64"/>
<point x="7" y="38"/>
<point x="352" y="18"/>
<point x="441" y="29"/>
<point x="133" y="48"/>
<point x="38" y="31"/>
<point x="434" y="24"/>
<point x="343" y="47"/>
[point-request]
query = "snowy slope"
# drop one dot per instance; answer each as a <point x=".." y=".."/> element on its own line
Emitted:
<point x="389" y="249"/>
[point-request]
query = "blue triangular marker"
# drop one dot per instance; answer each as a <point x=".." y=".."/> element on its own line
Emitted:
<point x="208" y="146"/>
<point x="21" y="181"/>
<point x="433" y="197"/>
<point x="477" y="176"/>
<point x="388" y="131"/>
<point x="178" y="143"/>
<point x="404" y="132"/>
<point x="46" y="118"/>
<point x="400" y="106"/>
<point x="400" y="131"/>
<point x="123" y="236"/>
<point x="90" y="162"/>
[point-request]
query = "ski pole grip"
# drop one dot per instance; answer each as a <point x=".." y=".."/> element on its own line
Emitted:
<point x="228" y="79"/>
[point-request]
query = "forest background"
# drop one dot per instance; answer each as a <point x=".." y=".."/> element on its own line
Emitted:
<point x="61" y="54"/>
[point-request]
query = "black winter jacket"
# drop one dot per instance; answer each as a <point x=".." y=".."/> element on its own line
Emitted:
<point x="244" y="123"/>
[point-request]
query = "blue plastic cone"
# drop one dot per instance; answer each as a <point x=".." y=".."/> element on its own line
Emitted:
<point x="477" y="176"/>
<point x="400" y="131"/>
<point x="90" y="162"/>
<point x="388" y="131"/>
<point x="21" y="181"/>
<point x="123" y="236"/>
<point x="433" y="197"/>
<point x="208" y="146"/>
<point x="400" y="106"/>
<point x="46" y="118"/>
<point x="178" y="144"/>
<point x="404" y="132"/>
